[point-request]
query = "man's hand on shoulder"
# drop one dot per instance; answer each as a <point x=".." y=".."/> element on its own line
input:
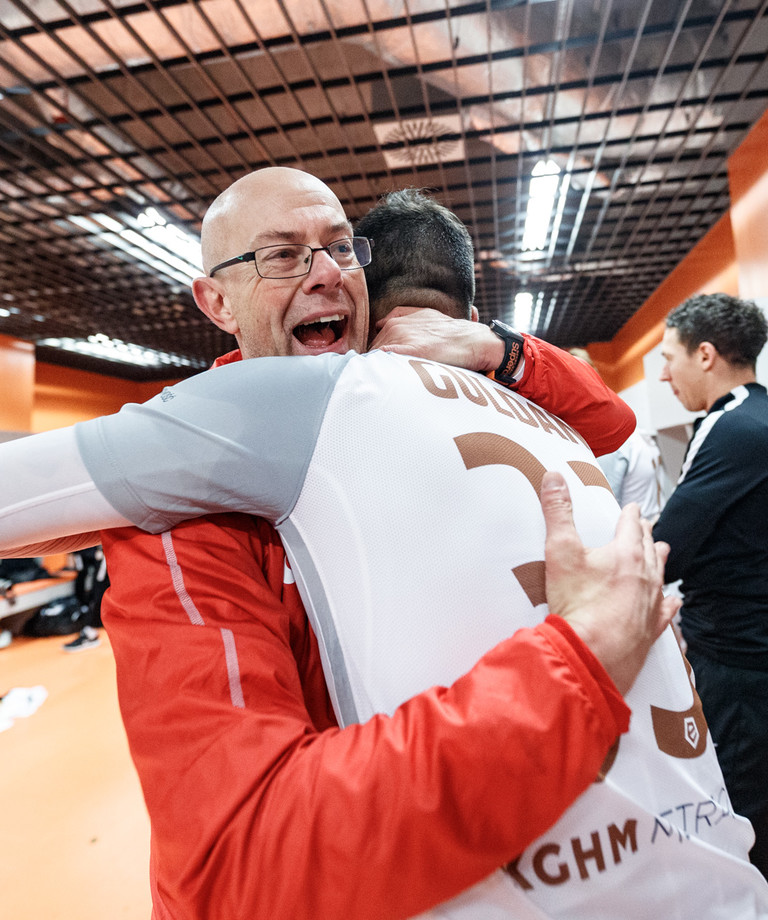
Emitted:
<point x="424" y="333"/>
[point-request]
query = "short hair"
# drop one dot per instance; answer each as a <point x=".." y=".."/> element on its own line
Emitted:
<point x="737" y="328"/>
<point x="418" y="245"/>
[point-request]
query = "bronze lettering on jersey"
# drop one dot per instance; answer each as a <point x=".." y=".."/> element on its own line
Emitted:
<point x="451" y="383"/>
<point x="470" y="387"/>
<point x="627" y="836"/>
<point x="553" y="864"/>
<point x="543" y="868"/>
<point x="589" y="474"/>
<point x="446" y="391"/>
<point x="516" y="409"/>
<point x="545" y="421"/>
<point x="484" y="448"/>
<point x="568" y="432"/>
<point x="530" y="414"/>
<point x="532" y="579"/>
<point x="584" y="855"/>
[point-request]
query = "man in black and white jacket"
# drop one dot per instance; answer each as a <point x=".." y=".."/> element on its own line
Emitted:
<point x="716" y="522"/>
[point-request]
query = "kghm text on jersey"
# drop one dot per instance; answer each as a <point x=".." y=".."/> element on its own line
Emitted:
<point x="550" y="864"/>
<point x="583" y="857"/>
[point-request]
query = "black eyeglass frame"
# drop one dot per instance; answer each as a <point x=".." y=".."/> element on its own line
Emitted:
<point x="251" y="257"/>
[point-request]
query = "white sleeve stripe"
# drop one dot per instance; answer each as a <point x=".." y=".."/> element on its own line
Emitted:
<point x="233" y="669"/>
<point x="177" y="578"/>
<point x="196" y="619"/>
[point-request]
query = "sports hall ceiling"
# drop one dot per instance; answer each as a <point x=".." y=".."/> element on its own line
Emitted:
<point x="108" y="107"/>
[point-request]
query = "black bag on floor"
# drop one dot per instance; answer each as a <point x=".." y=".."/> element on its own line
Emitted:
<point x="59" y="618"/>
<point x="20" y="570"/>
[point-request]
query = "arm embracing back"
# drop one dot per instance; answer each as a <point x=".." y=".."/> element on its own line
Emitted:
<point x="46" y="492"/>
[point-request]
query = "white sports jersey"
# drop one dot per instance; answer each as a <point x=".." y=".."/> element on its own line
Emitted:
<point x="407" y="496"/>
<point x="635" y="474"/>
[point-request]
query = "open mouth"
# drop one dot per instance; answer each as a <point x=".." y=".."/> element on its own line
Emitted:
<point x="323" y="333"/>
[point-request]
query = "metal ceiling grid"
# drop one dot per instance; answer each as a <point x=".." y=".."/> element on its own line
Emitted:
<point x="110" y="106"/>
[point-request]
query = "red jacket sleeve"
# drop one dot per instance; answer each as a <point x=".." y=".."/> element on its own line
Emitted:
<point x="569" y="388"/>
<point x="261" y="807"/>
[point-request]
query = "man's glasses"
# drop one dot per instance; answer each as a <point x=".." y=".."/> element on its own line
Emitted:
<point x="291" y="260"/>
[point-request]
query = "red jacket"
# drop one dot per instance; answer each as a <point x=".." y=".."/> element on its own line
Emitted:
<point x="261" y="807"/>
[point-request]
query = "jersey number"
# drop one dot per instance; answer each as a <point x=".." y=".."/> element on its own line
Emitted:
<point x="681" y="734"/>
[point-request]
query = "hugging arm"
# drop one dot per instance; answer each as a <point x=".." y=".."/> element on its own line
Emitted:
<point x="555" y="380"/>
<point x="248" y="779"/>
<point x="48" y="501"/>
<point x="258" y="802"/>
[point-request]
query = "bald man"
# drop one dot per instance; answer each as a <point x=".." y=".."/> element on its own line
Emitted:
<point x="259" y="804"/>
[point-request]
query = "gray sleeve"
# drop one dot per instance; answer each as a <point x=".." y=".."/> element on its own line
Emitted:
<point x="236" y="438"/>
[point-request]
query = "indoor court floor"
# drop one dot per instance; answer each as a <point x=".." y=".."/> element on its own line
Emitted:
<point x="74" y="833"/>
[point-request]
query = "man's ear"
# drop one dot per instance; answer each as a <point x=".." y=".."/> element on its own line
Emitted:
<point x="210" y="298"/>
<point x="707" y="355"/>
<point x="474" y="315"/>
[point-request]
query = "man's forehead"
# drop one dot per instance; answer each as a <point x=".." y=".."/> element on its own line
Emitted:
<point x="304" y="230"/>
<point x="275" y="204"/>
<point x="287" y="212"/>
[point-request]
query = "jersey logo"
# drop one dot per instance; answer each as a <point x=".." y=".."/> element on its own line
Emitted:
<point x="681" y="734"/>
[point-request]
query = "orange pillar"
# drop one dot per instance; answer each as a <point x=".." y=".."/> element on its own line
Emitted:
<point x="17" y="384"/>
<point x="748" y="179"/>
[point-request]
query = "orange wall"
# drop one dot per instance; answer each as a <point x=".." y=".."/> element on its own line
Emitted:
<point x="17" y="378"/>
<point x="38" y="397"/>
<point x="732" y="258"/>
<point x="748" y="180"/>
<point x="63" y="395"/>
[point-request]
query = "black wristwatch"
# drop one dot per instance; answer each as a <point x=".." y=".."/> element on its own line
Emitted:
<point x="513" y="351"/>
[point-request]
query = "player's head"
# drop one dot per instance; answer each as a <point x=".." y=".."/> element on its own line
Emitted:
<point x="422" y="257"/>
<point x="707" y="336"/>
<point x="737" y="328"/>
<point x="310" y="312"/>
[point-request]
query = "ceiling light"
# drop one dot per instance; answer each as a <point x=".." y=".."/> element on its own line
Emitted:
<point x="171" y="237"/>
<point x="101" y="346"/>
<point x="523" y="309"/>
<point x="542" y="195"/>
<point x="154" y="243"/>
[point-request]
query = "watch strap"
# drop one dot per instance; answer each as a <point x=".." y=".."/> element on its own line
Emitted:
<point x="513" y="351"/>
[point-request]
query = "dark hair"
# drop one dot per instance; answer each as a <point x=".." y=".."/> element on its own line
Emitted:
<point x="420" y="250"/>
<point x="737" y="328"/>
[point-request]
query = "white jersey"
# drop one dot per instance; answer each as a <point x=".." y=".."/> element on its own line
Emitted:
<point x="407" y="496"/>
<point x="635" y="474"/>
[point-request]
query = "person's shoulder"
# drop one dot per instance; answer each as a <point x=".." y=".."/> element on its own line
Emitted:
<point x="749" y="414"/>
<point x="742" y="430"/>
<point x="757" y="394"/>
<point x="272" y="369"/>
